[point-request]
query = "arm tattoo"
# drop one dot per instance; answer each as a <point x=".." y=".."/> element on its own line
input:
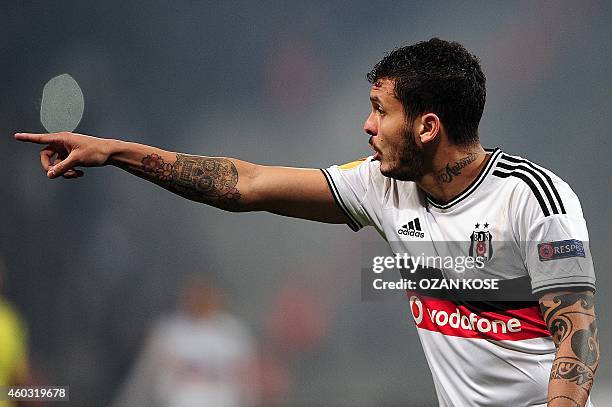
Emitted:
<point x="447" y="173"/>
<point x="572" y="324"/>
<point x="203" y="179"/>
<point x="573" y="371"/>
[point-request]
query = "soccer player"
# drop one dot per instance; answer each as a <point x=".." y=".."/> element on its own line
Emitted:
<point x="201" y="355"/>
<point x="429" y="180"/>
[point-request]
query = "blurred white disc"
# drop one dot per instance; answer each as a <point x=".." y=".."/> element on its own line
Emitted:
<point x="62" y="104"/>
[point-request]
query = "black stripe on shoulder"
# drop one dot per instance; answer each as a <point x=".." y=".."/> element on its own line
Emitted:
<point x="352" y="222"/>
<point x="529" y="182"/>
<point x="543" y="173"/>
<point x="537" y="177"/>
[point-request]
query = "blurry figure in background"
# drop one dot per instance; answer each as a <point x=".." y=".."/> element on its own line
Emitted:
<point x="201" y="356"/>
<point x="14" y="364"/>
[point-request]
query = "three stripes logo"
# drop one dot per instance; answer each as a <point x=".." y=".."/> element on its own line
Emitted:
<point x="412" y="228"/>
<point x="536" y="178"/>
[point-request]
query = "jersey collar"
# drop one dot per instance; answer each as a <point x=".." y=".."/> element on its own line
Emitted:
<point x="495" y="153"/>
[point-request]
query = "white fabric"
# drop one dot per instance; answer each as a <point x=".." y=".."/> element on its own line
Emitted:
<point x="471" y="366"/>
<point x="193" y="362"/>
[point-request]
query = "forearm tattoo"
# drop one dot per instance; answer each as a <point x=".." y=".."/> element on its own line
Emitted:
<point x="204" y="179"/>
<point x="447" y="173"/>
<point x="572" y="323"/>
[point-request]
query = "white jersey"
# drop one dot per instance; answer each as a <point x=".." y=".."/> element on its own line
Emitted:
<point x="528" y="226"/>
<point x="191" y="362"/>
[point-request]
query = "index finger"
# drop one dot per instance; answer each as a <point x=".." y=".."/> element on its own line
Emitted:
<point x="37" y="138"/>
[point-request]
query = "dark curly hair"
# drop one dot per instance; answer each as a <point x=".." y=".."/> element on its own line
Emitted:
<point x="440" y="77"/>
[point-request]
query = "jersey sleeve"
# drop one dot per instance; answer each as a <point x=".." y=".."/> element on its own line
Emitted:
<point x="555" y="240"/>
<point x="350" y="185"/>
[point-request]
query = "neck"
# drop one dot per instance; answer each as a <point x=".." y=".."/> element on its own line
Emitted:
<point x="452" y="171"/>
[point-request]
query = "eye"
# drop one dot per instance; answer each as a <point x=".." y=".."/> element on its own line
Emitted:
<point x="379" y="110"/>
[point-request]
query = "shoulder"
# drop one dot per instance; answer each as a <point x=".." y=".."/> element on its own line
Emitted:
<point x="361" y="175"/>
<point x="235" y="329"/>
<point x="363" y="167"/>
<point x="353" y="164"/>
<point x="232" y="322"/>
<point x="533" y="184"/>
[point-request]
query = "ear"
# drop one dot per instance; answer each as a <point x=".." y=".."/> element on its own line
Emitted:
<point x="430" y="128"/>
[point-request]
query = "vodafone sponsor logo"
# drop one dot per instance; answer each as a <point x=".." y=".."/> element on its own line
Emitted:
<point x="450" y="319"/>
<point x="416" y="306"/>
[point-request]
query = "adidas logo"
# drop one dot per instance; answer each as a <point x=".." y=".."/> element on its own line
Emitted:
<point x="412" y="228"/>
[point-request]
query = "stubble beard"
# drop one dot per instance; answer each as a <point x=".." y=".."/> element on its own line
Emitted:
<point x="408" y="163"/>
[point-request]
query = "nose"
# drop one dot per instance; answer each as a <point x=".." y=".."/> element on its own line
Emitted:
<point x="369" y="126"/>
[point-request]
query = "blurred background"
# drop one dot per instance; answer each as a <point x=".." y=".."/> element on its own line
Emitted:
<point x="95" y="266"/>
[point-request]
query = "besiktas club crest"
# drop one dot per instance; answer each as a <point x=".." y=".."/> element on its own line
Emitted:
<point x="481" y="242"/>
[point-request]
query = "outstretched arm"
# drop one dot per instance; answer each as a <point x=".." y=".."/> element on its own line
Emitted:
<point x="571" y="320"/>
<point x="225" y="183"/>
